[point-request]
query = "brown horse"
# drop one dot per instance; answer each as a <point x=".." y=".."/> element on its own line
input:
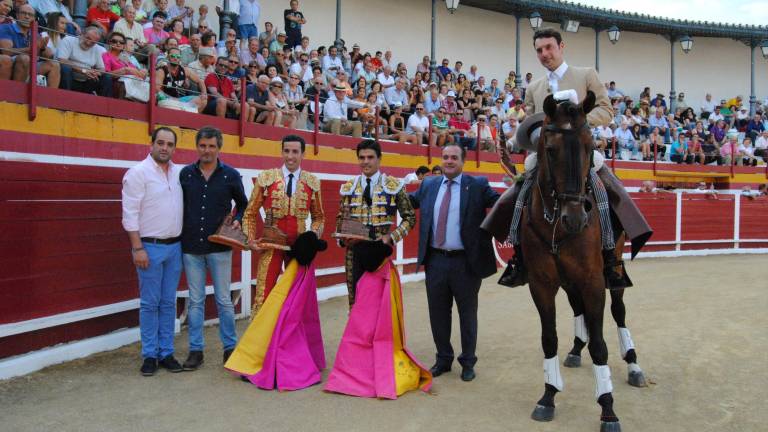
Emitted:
<point x="561" y="243"/>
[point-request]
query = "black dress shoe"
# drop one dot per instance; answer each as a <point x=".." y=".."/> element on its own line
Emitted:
<point x="171" y="364"/>
<point x="194" y="360"/>
<point x="149" y="367"/>
<point x="467" y="374"/>
<point x="227" y="353"/>
<point x="439" y="369"/>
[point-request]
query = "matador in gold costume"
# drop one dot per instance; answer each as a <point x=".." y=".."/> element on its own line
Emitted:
<point x="288" y="195"/>
<point x="374" y="199"/>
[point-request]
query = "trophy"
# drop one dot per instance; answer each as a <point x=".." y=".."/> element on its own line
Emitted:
<point x="351" y="229"/>
<point x="227" y="235"/>
<point x="272" y="237"/>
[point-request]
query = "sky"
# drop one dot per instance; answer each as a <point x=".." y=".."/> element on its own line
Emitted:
<point x="754" y="12"/>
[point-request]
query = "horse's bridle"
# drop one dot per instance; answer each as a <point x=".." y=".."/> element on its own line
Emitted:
<point x="573" y="185"/>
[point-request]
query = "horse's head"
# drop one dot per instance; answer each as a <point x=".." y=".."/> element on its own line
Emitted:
<point x="565" y="157"/>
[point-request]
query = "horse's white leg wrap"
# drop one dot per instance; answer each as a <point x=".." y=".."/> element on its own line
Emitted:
<point x="552" y="373"/>
<point x="602" y="380"/>
<point x="625" y="341"/>
<point x="580" y="328"/>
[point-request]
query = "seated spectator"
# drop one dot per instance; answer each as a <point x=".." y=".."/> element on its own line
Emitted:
<point x="441" y="131"/>
<point x="432" y="101"/>
<point x="204" y="65"/>
<point x="229" y="48"/>
<point x="183" y="13"/>
<point x="711" y="149"/>
<point x="657" y="120"/>
<point x="678" y="152"/>
<point x="517" y="111"/>
<point x="168" y="43"/>
<point x="115" y="64"/>
<point x="707" y="107"/>
<point x="417" y="176"/>
<point x="397" y="95"/>
<point x="335" y="114"/>
<point x="102" y="16"/>
<point x="499" y="110"/>
<point x="234" y="71"/>
<point x="177" y="31"/>
<point x="141" y="13"/>
<point x="268" y="35"/>
<point x="385" y="77"/>
<point x="397" y="123"/>
<point x="613" y="91"/>
<point x="316" y="88"/>
<point x="155" y="34"/>
<point x="718" y="130"/>
<point x="460" y="130"/>
<point x="257" y="97"/>
<point x="728" y="149"/>
<point x="443" y="69"/>
<point x="755" y="126"/>
<point x="173" y="80"/>
<point x="467" y="105"/>
<point x="15" y="49"/>
<point x="625" y="141"/>
<point x="761" y="145"/>
<point x="58" y="30"/>
<point x="702" y="188"/>
<point x="132" y="29"/>
<point x="82" y="68"/>
<point x="450" y="104"/>
<point x="696" y="150"/>
<point x="746" y="153"/>
<point x="277" y="45"/>
<point x="654" y="145"/>
<point x="222" y="99"/>
<point x="487" y="142"/>
<point x="189" y="53"/>
<point x="6" y="6"/>
<point x="509" y="129"/>
<point x="417" y="127"/>
<point x="46" y="7"/>
<point x="284" y="114"/>
<point x="603" y="136"/>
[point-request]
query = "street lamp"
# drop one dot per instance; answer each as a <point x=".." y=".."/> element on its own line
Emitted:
<point x="569" y="25"/>
<point x="764" y="48"/>
<point x="452" y="5"/>
<point x="686" y="43"/>
<point x="613" y="34"/>
<point x="535" y="19"/>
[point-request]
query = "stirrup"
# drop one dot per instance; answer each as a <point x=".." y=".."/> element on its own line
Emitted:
<point x="614" y="280"/>
<point x="514" y="275"/>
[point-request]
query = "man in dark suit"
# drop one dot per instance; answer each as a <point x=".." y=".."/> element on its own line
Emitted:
<point x="456" y="254"/>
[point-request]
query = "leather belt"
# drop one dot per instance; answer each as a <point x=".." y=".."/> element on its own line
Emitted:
<point x="448" y="253"/>
<point x="165" y="241"/>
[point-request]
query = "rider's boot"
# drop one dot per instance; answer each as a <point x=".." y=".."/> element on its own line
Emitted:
<point x="613" y="271"/>
<point x="515" y="274"/>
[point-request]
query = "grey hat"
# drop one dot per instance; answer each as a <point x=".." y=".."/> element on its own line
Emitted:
<point x="525" y="131"/>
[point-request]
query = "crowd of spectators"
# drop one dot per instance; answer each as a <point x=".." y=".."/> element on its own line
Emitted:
<point x="360" y="93"/>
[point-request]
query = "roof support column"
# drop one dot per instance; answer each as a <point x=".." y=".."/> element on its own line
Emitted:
<point x="518" y="79"/>
<point x="432" y="60"/>
<point x="752" y="97"/>
<point x="672" y="94"/>
<point x="338" y="20"/>
<point x="597" y="48"/>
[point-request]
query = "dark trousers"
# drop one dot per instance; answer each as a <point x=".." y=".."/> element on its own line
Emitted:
<point x="447" y="279"/>
<point x="102" y="86"/>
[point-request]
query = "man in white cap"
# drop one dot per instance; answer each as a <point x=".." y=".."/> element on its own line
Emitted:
<point x="335" y="114"/>
<point x="566" y="82"/>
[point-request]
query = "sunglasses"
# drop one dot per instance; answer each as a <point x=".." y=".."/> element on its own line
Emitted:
<point x="253" y="66"/>
<point x="174" y="56"/>
<point x="419" y="109"/>
<point x="117" y="42"/>
<point x="234" y="61"/>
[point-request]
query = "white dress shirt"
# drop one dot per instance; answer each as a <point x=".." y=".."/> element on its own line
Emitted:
<point x="332" y="62"/>
<point x="333" y="109"/>
<point x="555" y="76"/>
<point x="417" y="123"/>
<point x="153" y="200"/>
<point x="386" y="81"/>
<point x="453" y="225"/>
<point x="296" y="175"/>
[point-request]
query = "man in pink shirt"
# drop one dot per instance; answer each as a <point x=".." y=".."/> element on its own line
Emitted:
<point x="155" y="34"/>
<point x="152" y="215"/>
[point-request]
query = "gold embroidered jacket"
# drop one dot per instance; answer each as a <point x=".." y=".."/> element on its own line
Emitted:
<point x="269" y="192"/>
<point x="388" y="198"/>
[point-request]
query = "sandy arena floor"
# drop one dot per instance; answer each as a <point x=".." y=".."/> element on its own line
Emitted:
<point x="700" y="326"/>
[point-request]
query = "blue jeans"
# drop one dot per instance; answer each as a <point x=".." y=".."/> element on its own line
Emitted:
<point x="220" y="264"/>
<point x="157" y="292"/>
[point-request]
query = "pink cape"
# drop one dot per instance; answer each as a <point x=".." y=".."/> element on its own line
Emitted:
<point x="372" y="360"/>
<point x="294" y="356"/>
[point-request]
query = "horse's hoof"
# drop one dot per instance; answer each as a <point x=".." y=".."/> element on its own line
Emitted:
<point x="543" y="413"/>
<point x="572" y="361"/>
<point x="637" y="379"/>
<point x="610" y="427"/>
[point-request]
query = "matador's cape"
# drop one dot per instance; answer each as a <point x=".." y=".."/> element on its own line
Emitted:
<point x="282" y="348"/>
<point x="372" y="360"/>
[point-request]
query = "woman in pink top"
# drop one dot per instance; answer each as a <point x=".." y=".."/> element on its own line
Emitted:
<point x="177" y="31"/>
<point x="112" y="61"/>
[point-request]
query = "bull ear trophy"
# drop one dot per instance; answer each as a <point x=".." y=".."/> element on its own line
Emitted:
<point x="550" y="107"/>
<point x="589" y="102"/>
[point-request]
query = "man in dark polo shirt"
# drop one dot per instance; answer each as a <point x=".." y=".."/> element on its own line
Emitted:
<point x="209" y="188"/>
<point x="257" y="96"/>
